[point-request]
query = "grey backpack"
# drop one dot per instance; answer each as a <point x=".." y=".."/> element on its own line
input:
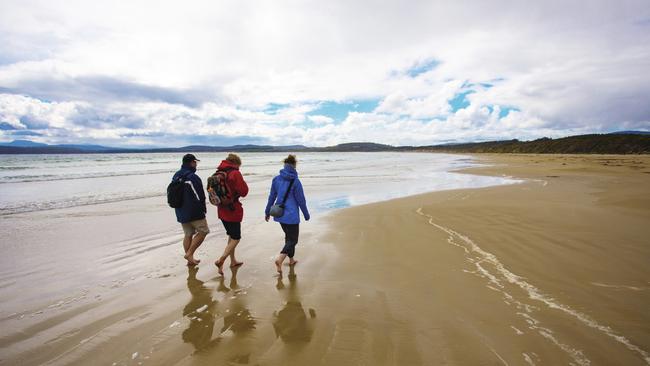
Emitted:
<point x="277" y="210"/>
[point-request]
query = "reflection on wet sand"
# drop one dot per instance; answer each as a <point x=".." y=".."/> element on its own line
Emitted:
<point x="291" y="323"/>
<point x="238" y="318"/>
<point x="201" y="312"/>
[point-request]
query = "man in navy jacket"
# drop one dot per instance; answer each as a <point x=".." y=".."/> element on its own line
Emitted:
<point x="191" y="214"/>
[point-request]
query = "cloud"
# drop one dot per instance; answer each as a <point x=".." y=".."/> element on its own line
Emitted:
<point x="320" y="119"/>
<point x="102" y="89"/>
<point x="316" y="74"/>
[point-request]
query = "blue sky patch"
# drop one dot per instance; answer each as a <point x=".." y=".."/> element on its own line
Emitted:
<point x="459" y="101"/>
<point x="422" y="67"/>
<point x="273" y="108"/>
<point x="339" y="111"/>
<point x="503" y="110"/>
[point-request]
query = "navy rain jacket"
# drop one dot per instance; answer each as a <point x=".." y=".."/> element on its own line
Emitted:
<point x="193" y="196"/>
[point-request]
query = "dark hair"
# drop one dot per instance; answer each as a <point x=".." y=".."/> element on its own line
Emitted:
<point x="291" y="160"/>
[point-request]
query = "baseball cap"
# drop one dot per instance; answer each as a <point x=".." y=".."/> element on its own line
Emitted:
<point x="188" y="158"/>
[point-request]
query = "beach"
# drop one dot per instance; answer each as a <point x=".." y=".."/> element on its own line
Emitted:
<point x="551" y="271"/>
<point x="546" y="266"/>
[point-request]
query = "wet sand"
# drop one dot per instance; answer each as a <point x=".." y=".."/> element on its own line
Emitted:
<point x="550" y="271"/>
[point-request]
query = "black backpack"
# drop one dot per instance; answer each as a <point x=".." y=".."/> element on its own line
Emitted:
<point x="175" y="192"/>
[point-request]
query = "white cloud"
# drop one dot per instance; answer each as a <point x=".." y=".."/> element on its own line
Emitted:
<point x="320" y="119"/>
<point x="106" y="70"/>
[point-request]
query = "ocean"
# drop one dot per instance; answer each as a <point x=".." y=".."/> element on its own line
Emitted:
<point x="331" y="180"/>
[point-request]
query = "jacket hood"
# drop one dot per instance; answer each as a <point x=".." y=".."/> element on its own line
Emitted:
<point x="227" y="164"/>
<point x="288" y="172"/>
<point x="188" y="167"/>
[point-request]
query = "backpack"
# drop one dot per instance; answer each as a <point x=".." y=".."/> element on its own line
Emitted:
<point x="175" y="192"/>
<point x="218" y="191"/>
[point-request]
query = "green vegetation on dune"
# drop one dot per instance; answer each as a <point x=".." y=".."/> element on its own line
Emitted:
<point x="582" y="144"/>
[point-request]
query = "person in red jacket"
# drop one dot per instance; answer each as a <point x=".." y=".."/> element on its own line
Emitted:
<point x="231" y="215"/>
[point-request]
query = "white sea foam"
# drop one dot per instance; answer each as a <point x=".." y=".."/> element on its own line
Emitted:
<point x="528" y="359"/>
<point x="533" y="293"/>
<point x="619" y="287"/>
<point x="517" y="331"/>
<point x="498" y="356"/>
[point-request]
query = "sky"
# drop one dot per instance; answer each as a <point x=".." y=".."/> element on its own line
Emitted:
<point x="319" y="73"/>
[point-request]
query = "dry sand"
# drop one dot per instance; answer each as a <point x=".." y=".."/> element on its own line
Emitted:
<point x="553" y="270"/>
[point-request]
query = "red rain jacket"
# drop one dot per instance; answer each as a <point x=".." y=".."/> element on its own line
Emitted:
<point x="236" y="185"/>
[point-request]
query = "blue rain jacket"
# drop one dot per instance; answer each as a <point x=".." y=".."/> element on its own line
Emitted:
<point x="295" y="198"/>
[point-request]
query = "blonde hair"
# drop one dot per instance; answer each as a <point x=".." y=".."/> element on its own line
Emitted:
<point x="234" y="158"/>
<point x="291" y="160"/>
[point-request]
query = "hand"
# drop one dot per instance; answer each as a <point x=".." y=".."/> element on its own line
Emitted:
<point x="307" y="217"/>
<point x="267" y="217"/>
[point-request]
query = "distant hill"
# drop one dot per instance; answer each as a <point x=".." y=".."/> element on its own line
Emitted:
<point x="29" y="147"/>
<point x="4" y="149"/>
<point x="88" y="147"/>
<point x="357" y="146"/>
<point x="624" y="142"/>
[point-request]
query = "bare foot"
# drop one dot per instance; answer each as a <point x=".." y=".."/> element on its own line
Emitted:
<point x="236" y="264"/>
<point x="191" y="259"/>
<point x="292" y="262"/>
<point x="278" y="266"/>
<point x="191" y="264"/>
<point x="219" y="264"/>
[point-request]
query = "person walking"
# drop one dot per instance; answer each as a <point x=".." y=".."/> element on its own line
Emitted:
<point x="231" y="211"/>
<point x="285" y="198"/>
<point x="191" y="214"/>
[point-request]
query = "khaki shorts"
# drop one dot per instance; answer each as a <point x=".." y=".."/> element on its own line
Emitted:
<point x="196" y="226"/>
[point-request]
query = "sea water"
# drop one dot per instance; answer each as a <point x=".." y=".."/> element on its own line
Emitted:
<point x="331" y="180"/>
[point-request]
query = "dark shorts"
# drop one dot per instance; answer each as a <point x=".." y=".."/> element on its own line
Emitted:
<point x="233" y="229"/>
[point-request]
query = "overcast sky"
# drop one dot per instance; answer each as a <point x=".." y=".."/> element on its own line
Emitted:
<point x="172" y="73"/>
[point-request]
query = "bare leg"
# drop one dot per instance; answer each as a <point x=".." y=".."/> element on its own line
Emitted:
<point x="187" y="242"/>
<point x="233" y="262"/>
<point x="230" y="247"/>
<point x="292" y="261"/>
<point x="196" y="243"/>
<point x="278" y="262"/>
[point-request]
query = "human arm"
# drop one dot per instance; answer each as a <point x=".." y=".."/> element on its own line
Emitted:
<point x="299" y="195"/>
<point x="240" y="184"/>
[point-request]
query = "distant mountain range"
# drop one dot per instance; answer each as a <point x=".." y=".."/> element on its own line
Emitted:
<point x="623" y="142"/>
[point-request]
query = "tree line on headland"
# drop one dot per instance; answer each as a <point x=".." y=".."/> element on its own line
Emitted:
<point x="616" y="143"/>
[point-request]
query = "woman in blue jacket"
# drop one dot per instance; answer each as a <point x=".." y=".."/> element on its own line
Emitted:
<point x="290" y="219"/>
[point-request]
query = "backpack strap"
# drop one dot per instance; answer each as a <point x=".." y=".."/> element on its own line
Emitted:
<point x="287" y="192"/>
